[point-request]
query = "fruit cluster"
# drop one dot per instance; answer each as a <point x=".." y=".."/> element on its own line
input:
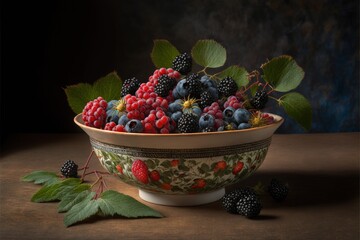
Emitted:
<point x="175" y="100"/>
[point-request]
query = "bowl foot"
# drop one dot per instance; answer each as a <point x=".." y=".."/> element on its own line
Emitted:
<point x="181" y="200"/>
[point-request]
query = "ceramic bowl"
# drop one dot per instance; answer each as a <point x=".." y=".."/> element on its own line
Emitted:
<point x="181" y="169"/>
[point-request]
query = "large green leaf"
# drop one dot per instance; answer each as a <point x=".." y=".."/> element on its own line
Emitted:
<point x="108" y="87"/>
<point x="115" y="203"/>
<point x="163" y="53"/>
<point x="41" y="177"/>
<point x="209" y="53"/>
<point x="239" y="74"/>
<point x="283" y="73"/>
<point x="75" y="196"/>
<point x="84" y="209"/>
<point x="53" y="192"/>
<point x="297" y="107"/>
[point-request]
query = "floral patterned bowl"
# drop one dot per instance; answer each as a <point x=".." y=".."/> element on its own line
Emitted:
<point x="181" y="169"/>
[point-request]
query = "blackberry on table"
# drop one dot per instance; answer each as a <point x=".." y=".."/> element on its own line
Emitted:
<point x="249" y="206"/>
<point x="259" y="100"/>
<point x="278" y="190"/>
<point x="69" y="169"/>
<point x="188" y="123"/>
<point x="165" y="84"/>
<point x="227" y="87"/>
<point x="130" y="86"/>
<point x="182" y="63"/>
<point x="229" y="200"/>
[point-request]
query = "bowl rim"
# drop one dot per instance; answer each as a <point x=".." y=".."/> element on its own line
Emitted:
<point x="278" y="121"/>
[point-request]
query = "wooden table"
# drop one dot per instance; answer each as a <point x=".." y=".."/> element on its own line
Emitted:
<point x="321" y="169"/>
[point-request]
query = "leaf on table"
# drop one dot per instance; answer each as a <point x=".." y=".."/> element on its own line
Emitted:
<point x="53" y="192"/>
<point x="283" y="73"/>
<point x="115" y="203"/>
<point x="163" y="53"/>
<point x="76" y="195"/>
<point x="297" y="107"/>
<point x="41" y="177"/>
<point x="239" y="74"/>
<point x="209" y="53"/>
<point x="82" y="210"/>
<point x="108" y="87"/>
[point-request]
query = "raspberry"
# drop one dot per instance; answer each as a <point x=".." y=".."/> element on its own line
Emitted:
<point x="188" y="123"/>
<point x="233" y="101"/>
<point x="130" y="86"/>
<point x="278" y="190"/>
<point x="249" y="206"/>
<point x="69" y="169"/>
<point x="140" y="171"/>
<point x="94" y="113"/>
<point x="229" y="200"/>
<point x="227" y="87"/>
<point x="259" y="100"/>
<point x="215" y="110"/>
<point x="182" y="63"/>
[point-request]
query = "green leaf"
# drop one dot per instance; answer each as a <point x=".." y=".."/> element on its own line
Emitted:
<point x="283" y="73"/>
<point x="41" y="177"/>
<point x="239" y="74"/>
<point x="297" y="107"/>
<point x="163" y="53"/>
<point x="115" y="203"/>
<point x="108" y="87"/>
<point x="53" y="192"/>
<point x="84" y="209"/>
<point x="209" y="53"/>
<point x="75" y="196"/>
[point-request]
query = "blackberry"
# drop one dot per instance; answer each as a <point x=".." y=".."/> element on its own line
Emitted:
<point x="230" y="199"/>
<point x="130" y="86"/>
<point x="227" y="87"/>
<point x="165" y="84"/>
<point x="259" y="100"/>
<point x="193" y="85"/>
<point x="206" y="99"/>
<point x="182" y="63"/>
<point x="69" y="169"/>
<point x="249" y="206"/>
<point x="208" y="129"/>
<point x="188" y="123"/>
<point x="278" y="190"/>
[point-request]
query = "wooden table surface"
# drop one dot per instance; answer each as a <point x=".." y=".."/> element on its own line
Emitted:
<point x="321" y="169"/>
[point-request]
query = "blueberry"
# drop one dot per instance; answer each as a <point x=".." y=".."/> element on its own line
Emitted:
<point x="134" y="126"/>
<point x="207" y="82"/>
<point x="206" y="121"/>
<point x="111" y="104"/>
<point x="112" y="115"/>
<point x="176" y="116"/>
<point x="123" y="120"/>
<point x="221" y="128"/>
<point x="175" y="106"/>
<point x="244" y="126"/>
<point x="228" y="114"/>
<point x="175" y="93"/>
<point x="181" y="88"/>
<point x="241" y="115"/>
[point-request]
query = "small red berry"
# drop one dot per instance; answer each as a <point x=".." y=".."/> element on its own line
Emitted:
<point x="154" y="175"/>
<point x="199" y="183"/>
<point x="237" y="168"/>
<point x="166" y="186"/>
<point x="174" y="163"/>
<point x="119" y="168"/>
<point x="221" y="165"/>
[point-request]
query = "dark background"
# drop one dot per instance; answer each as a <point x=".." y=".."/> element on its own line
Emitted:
<point x="48" y="45"/>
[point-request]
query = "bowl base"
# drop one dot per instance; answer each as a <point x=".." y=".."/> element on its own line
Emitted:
<point x="181" y="200"/>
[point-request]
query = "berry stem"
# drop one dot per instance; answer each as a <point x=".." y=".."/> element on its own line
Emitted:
<point x="86" y="165"/>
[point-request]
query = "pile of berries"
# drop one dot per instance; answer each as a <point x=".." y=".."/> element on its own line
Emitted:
<point x="175" y="100"/>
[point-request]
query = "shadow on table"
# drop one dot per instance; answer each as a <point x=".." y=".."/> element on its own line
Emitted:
<point x="310" y="189"/>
